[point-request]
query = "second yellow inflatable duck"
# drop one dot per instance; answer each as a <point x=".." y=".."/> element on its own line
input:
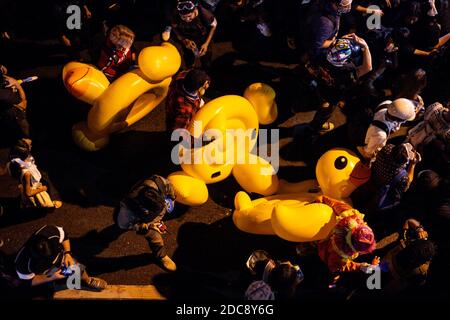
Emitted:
<point x="291" y="214"/>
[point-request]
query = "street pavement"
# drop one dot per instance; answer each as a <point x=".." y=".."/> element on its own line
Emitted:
<point x="209" y="250"/>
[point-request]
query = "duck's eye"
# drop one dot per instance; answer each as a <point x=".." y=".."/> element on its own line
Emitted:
<point x="340" y="163"/>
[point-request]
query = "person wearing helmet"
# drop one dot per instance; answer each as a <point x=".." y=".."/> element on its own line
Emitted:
<point x="337" y="75"/>
<point x="143" y="210"/>
<point x="342" y="52"/>
<point x="272" y="279"/>
<point x="325" y="26"/>
<point x="388" y="119"/>
<point x="345" y="52"/>
<point x="47" y="257"/>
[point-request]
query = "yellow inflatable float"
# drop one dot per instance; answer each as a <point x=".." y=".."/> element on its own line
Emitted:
<point x="231" y="124"/>
<point x="262" y="97"/>
<point x="292" y="215"/>
<point x="127" y="100"/>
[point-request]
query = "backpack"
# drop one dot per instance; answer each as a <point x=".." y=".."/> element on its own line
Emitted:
<point x="147" y="202"/>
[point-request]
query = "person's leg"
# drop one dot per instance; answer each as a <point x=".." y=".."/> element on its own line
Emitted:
<point x="322" y="115"/>
<point x="92" y="282"/>
<point x="44" y="199"/>
<point x="156" y="244"/>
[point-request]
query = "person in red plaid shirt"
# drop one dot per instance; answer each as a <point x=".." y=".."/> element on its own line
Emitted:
<point x="185" y="98"/>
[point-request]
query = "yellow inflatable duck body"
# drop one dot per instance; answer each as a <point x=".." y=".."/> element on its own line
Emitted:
<point x="128" y="99"/>
<point x="292" y="213"/>
<point x="231" y="124"/>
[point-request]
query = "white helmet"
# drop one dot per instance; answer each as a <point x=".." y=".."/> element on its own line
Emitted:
<point x="403" y="109"/>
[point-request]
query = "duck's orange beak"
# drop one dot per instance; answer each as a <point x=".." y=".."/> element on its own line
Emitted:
<point x="360" y="174"/>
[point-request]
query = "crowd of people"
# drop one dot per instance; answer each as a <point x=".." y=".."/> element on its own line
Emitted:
<point x="383" y="63"/>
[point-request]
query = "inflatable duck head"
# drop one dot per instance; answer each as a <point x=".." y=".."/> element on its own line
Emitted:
<point x="339" y="172"/>
<point x="159" y="62"/>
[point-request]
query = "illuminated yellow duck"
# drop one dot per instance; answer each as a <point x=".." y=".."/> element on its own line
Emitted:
<point x="291" y="214"/>
<point x="231" y="122"/>
<point x="123" y="102"/>
<point x="262" y="97"/>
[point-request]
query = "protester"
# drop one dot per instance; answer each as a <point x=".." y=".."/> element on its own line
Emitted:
<point x="185" y="98"/>
<point x="118" y="54"/>
<point x="194" y="26"/>
<point x="22" y="167"/>
<point x="273" y="279"/>
<point x="143" y="210"/>
<point x="47" y="257"/>
<point x="13" y="106"/>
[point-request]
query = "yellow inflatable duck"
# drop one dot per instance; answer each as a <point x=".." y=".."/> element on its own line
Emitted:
<point x="231" y="123"/>
<point x="291" y="214"/>
<point x="124" y="102"/>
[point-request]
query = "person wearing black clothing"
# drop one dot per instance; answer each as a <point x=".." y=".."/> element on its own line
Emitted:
<point x="282" y="277"/>
<point x="334" y="78"/>
<point x="408" y="263"/>
<point x="46" y="257"/>
<point x="13" y="104"/>
<point x="194" y="26"/>
<point x="324" y="26"/>
<point x="143" y="210"/>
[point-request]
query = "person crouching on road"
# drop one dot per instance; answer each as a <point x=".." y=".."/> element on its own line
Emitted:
<point x="143" y="210"/>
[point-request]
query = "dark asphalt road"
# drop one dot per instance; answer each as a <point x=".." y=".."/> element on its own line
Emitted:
<point x="209" y="251"/>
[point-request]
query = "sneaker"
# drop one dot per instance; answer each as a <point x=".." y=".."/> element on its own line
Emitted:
<point x="168" y="264"/>
<point x="96" y="283"/>
<point x="327" y="126"/>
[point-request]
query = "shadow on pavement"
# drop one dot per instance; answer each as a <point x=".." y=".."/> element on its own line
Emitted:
<point x="211" y="260"/>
